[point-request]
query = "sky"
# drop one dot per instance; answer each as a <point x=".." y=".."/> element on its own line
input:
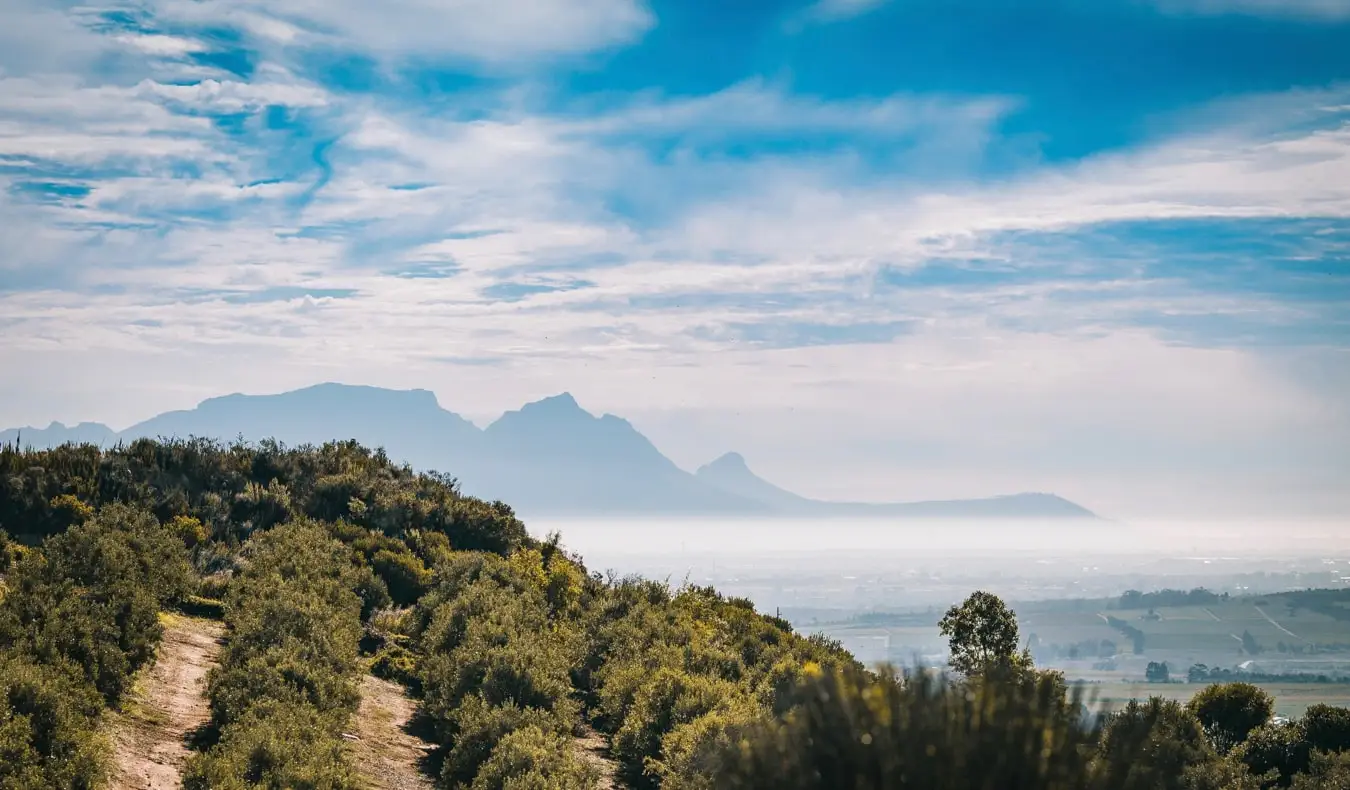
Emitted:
<point x="886" y="249"/>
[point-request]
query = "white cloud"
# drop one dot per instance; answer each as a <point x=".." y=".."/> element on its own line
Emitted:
<point x="1315" y="9"/>
<point x="135" y="279"/>
<point x="835" y="10"/>
<point x="490" y="31"/>
<point x="165" y="46"/>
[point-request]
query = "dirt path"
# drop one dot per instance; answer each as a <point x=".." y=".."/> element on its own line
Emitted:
<point x="594" y="750"/>
<point x="168" y="702"/>
<point x="385" y="753"/>
<point x="1210" y="612"/>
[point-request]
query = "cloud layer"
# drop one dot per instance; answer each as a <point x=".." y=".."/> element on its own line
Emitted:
<point x="198" y="199"/>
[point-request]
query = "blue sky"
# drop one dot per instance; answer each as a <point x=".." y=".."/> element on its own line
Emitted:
<point x="887" y="249"/>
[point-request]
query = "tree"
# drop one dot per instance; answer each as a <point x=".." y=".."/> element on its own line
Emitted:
<point x="982" y="633"/>
<point x="1157" y="672"/>
<point x="1150" y="745"/>
<point x="1249" y="643"/>
<point x="1230" y="711"/>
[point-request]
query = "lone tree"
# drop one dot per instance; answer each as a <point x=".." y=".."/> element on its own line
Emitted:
<point x="982" y="634"/>
<point x="1230" y="711"/>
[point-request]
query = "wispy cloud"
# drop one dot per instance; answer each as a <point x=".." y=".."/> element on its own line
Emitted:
<point x="171" y="204"/>
<point x="1310" y="9"/>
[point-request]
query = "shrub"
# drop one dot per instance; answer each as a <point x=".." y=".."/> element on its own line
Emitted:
<point x="693" y="754"/>
<point x="476" y="727"/>
<point x="670" y="698"/>
<point x="850" y="730"/>
<point x="396" y="663"/>
<point x="1149" y="745"/>
<point x="1229" y="711"/>
<point x="1327" y="728"/>
<point x="404" y="575"/>
<point x="276" y="746"/>
<point x="1276" y="748"/>
<point x="533" y="759"/>
<point x="48" y="734"/>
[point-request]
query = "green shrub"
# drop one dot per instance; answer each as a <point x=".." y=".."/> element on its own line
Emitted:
<point x="850" y="731"/>
<point x="476" y="727"/>
<point x="532" y="759"/>
<point x="693" y="754"/>
<point x="1278" y="748"/>
<point x="1229" y="711"/>
<point x="275" y="746"/>
<point x="403" y="574"/>
<point x="1149" y="746"/>
<point x="1326" y="728"/>
<point x="398" y="664"/>
<point x="670" y="698"/>
<point x="281" y="674"/>
<point x="48" y="735"/>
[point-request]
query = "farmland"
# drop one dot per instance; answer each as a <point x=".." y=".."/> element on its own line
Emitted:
<point x="1094" y="641"/>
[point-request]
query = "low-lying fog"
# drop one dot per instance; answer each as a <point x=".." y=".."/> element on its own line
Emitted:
<point x="848" y="566"/>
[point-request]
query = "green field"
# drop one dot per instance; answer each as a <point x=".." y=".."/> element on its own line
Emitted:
<point x="1289" y="638"/>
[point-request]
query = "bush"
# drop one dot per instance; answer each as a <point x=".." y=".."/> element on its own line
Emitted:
<point x="48" y="734"/>
<point x="92" y="596"/>
<point x="1229" y="711"/>
<point x="1276" y="748"/>
<point x="476" y="727"/>
<point x="693" y="754"/>
<point x="275" y="746"/>
<point x="404" y="575"/>
<point x="850" y="730"/>
<point x="1149" y="746"/>
<point x="398" y="664"/>
<point x="670" y="698"/>
<point x="532" y="759"/>
<point x="294" y="620"/>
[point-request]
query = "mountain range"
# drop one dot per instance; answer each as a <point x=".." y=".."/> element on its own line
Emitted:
<point x="550" y="458"/>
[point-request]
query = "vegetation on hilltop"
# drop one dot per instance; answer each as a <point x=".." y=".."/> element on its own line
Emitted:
<point x="331" y="561"/>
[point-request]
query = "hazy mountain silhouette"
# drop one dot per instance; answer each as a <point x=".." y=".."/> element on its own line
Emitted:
<point x="549" y="458"/>
<point x="732" y="474"/>
<point x="56" y="434"/>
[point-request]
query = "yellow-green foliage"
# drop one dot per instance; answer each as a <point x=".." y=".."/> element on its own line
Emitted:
<point x="294" y="618"/>
<point x="91" y="597"/>
<point x="190" y="530"/>
<point x="275" y="746"/>
<point x="48" y="728"/>
<point x="669" y="699"/>
<point x="850" y="730"/>
<point x="530" y="758"/>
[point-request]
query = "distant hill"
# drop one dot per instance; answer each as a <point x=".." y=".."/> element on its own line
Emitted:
<point x="732" y="474"/>
<point x="548" y="458"/>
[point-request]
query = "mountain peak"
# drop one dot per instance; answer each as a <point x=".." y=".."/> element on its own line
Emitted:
<point x="727" y="462"/>
<point x="563" y="401"/>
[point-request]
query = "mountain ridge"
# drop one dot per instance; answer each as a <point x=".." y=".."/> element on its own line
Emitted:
<point x="549" y="457"/>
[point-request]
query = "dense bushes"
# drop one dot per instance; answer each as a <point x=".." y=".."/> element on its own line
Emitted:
<point x="497" y="653"/>
<point x="233" y="490"/>
<point x="671" y="673"/>
<point x="90" y="599"/>
<point x="850" y="730"/>
<point x="286" y="684"/>
<point x="78" y="617"/>
<point x="48" y="723"/>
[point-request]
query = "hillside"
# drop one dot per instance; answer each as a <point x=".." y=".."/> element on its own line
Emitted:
<point x="548" y="458"/>
<point x="359" y="626"/>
